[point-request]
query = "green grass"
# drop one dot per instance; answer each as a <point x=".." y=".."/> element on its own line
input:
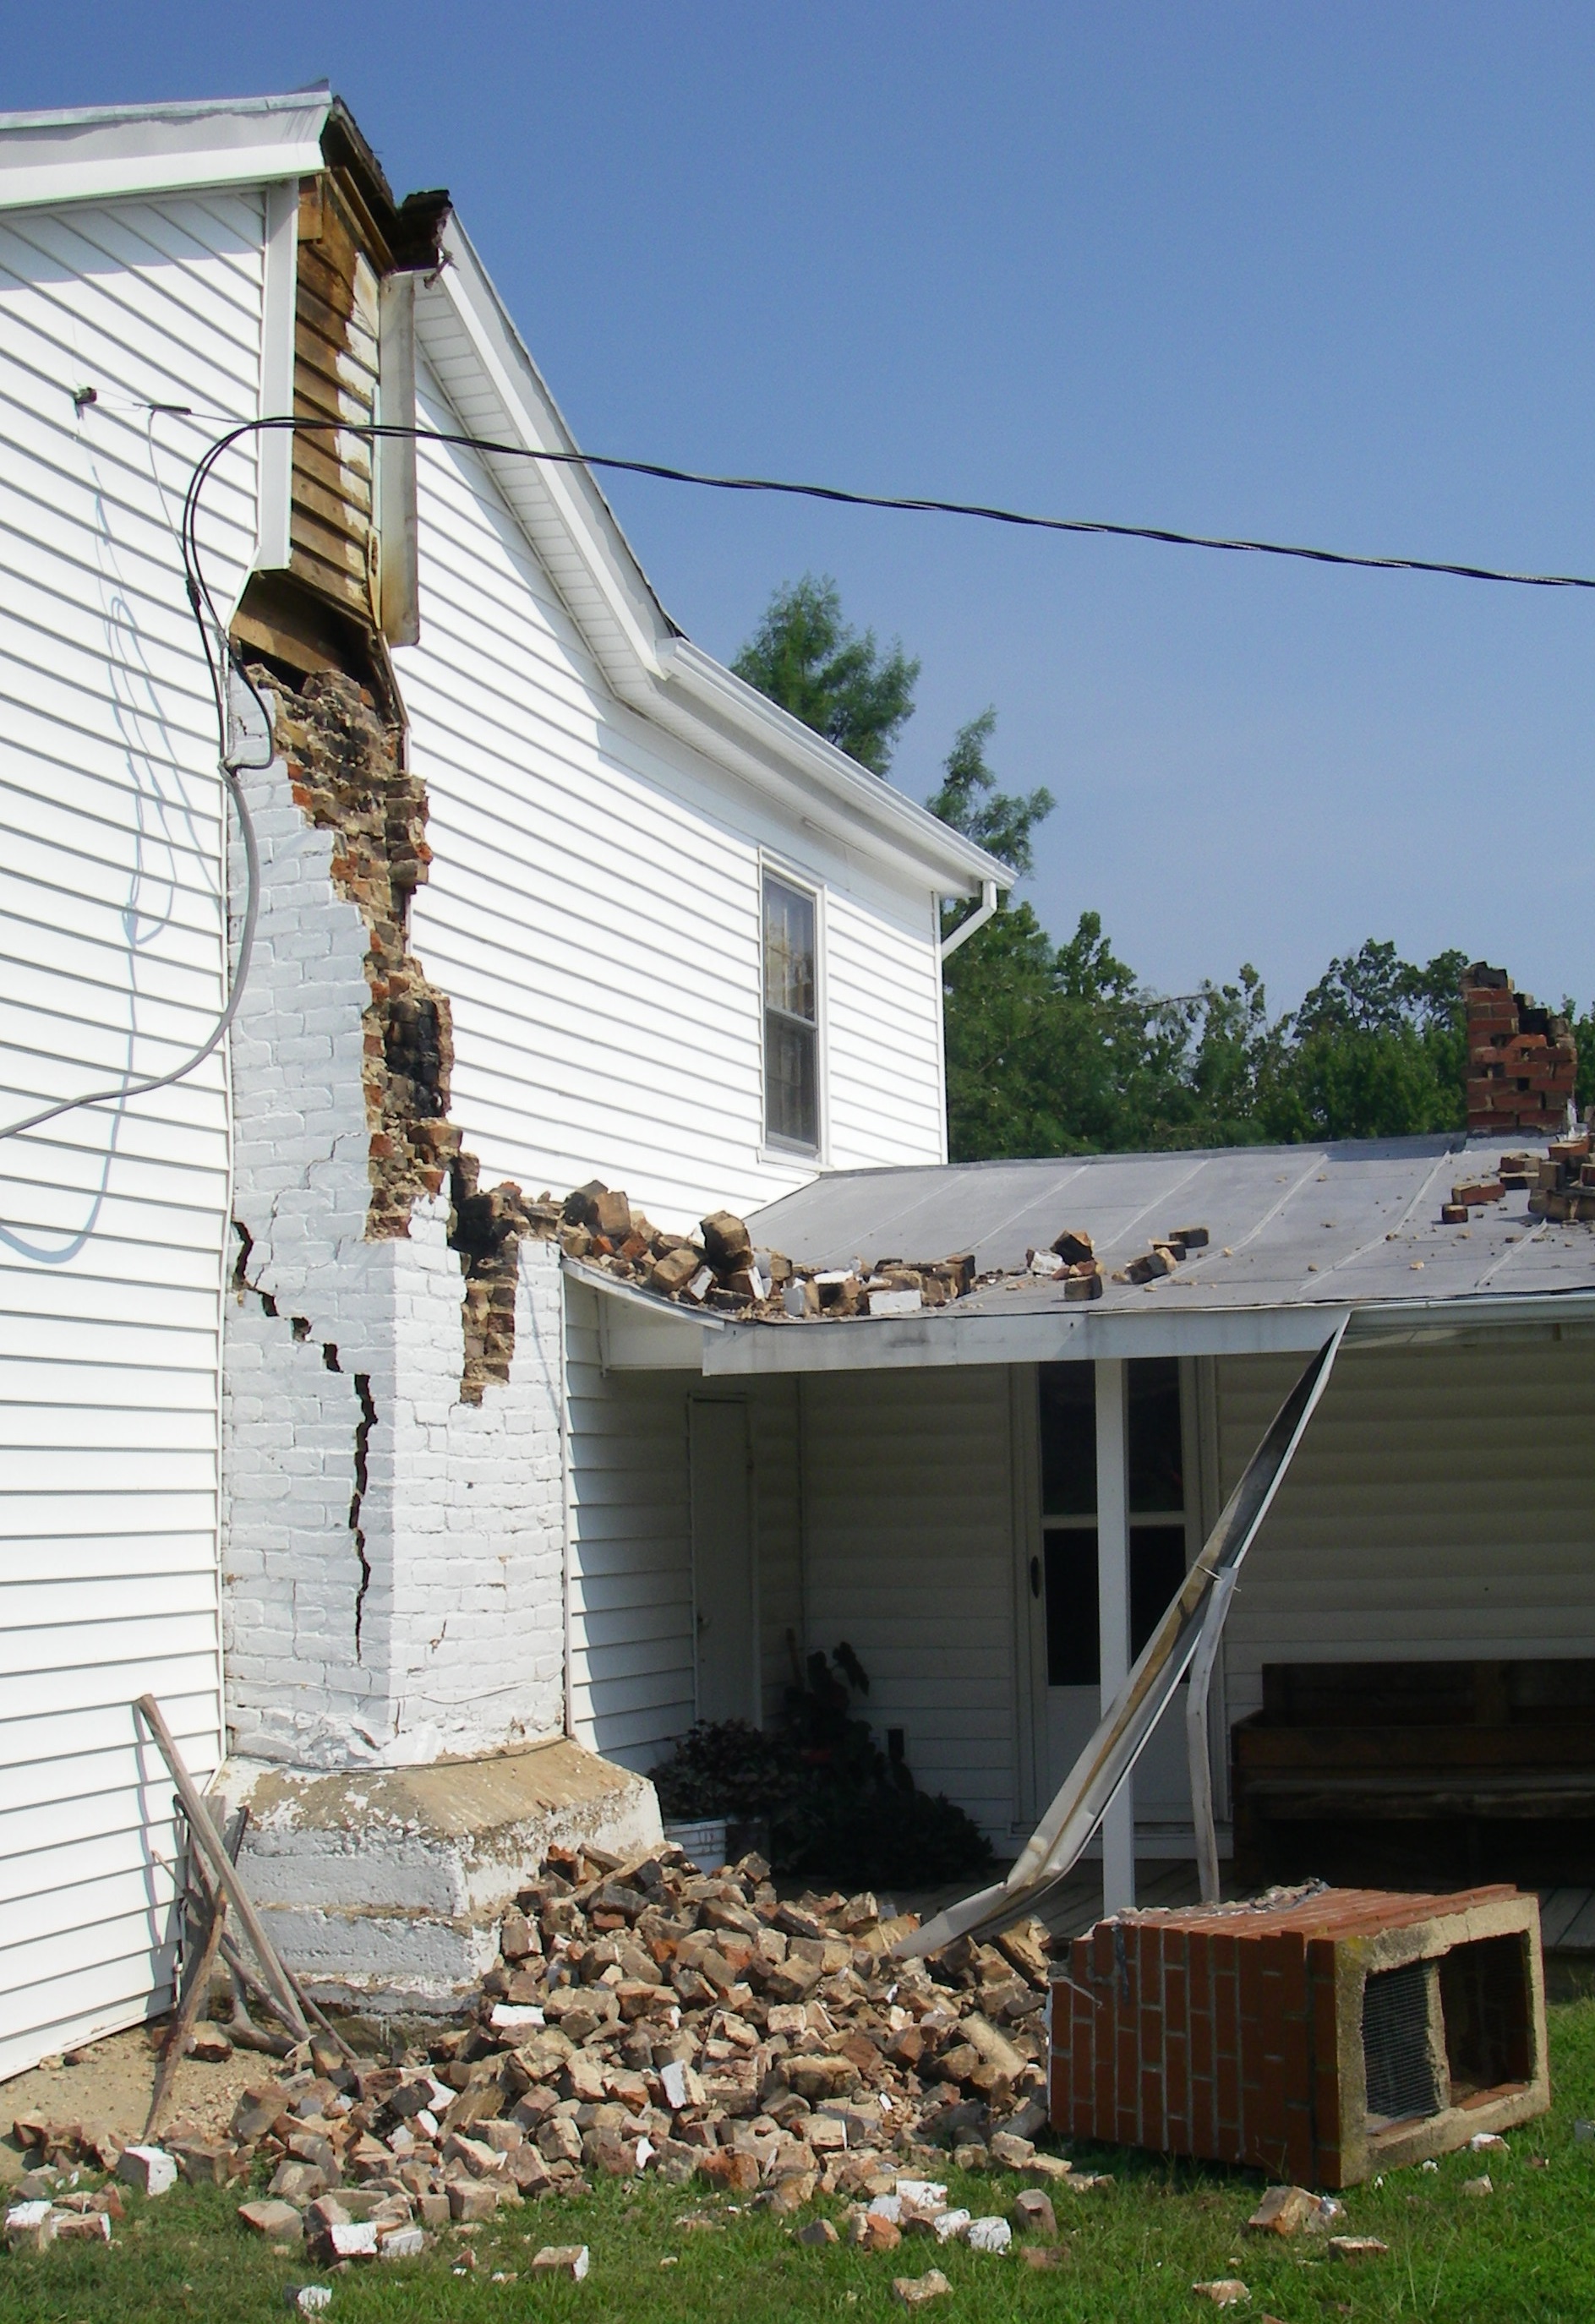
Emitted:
<point x="1525" y="2253"/>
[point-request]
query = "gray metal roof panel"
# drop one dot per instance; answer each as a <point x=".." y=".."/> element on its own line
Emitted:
<point x="1290" y="1226"/>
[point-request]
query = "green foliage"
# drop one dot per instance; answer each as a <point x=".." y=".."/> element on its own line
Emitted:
<point x="836" y="1805"/>
<point x="838" y="681"/>
<point x="1060" y="1050"/>
<point x="1001" y="822"/>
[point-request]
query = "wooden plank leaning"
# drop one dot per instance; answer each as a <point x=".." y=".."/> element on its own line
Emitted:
<point x="224" y="1871"/>
<point x="196" y="1999"/>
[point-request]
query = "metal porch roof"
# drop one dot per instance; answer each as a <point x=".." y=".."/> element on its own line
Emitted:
<point x="1290" y="1226"/>
<point x="1300" y="1237"/>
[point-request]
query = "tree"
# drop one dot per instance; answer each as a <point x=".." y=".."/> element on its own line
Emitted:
<point x="1001" y="823"/>
<point x="806" y="657"/>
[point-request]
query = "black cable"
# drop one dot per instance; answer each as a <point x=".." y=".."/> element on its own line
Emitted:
<point x="229" y="771"/>
<point x="208" y="619"/>
<point x="916" y="504"/>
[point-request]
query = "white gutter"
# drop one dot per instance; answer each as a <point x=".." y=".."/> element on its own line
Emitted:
<point x="977" y="919"/>
<point x="103" y="153"/>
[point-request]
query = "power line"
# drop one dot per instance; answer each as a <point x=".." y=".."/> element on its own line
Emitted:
<point x="919" y="504"/>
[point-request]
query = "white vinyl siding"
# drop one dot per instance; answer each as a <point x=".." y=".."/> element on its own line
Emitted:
<point x="632" y="1677"/>
<point x="112" y="1219"/>
<point x="1442" y="1507"/>
<point x="630" y="1548"/>
<point x="594" y="911"/>
<point x="908" y="1543"/>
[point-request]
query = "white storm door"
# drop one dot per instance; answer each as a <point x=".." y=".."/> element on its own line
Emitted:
<point x="724" y="1591"/>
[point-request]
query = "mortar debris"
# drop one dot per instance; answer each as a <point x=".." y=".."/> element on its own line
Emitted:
<point x="643" y="2017"/>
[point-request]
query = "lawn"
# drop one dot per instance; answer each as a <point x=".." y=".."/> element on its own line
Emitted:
<point x="1525" y="2251"/>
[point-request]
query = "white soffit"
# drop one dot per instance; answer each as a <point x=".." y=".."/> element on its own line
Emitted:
<point x="98" y="153"/>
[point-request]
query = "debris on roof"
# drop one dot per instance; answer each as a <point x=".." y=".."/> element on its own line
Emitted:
<point x="721" y="1268"/>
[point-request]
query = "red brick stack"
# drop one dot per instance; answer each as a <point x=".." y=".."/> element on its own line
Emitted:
<point x="1522" y="1061"/>
<point x="1234" y="2032"/>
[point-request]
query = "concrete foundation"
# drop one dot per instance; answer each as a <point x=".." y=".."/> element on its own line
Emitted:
<point x="383" y="1887"/>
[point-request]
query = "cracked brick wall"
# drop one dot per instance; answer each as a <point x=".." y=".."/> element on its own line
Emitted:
<point x="393" y="1510"/>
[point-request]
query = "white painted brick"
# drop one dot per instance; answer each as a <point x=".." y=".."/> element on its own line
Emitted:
<point x="463" y="1514"/>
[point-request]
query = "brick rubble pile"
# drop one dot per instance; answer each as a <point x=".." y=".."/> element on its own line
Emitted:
<point x="641" y="2017"/>
<point x="1560" y="1183"/>
<point x="720" y="1268"/>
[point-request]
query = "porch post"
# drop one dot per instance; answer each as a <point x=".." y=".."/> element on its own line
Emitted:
<point x="1112" y="1498"/>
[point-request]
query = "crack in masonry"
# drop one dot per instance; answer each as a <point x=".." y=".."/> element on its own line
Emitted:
<point x="351" y="778"/>
<point x="362" y="1480"/>
<point x="299" y="1326"/>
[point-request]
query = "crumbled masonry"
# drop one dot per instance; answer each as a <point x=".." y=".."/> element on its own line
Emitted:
<point x="347" y="766"/>
<point x="350" y="775"/>
<point x="1523" y="1061"/>
<point x="644" y="2017"/>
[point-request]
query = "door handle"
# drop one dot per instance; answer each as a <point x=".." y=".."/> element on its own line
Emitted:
<point x="1035" y="1577"/>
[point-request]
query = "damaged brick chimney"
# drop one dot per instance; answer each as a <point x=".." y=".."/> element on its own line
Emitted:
<point x="1523" y="1063"/>
<point x="347" y="768"/>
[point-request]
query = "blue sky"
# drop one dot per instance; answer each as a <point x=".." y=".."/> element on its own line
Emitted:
<point x="1320" y="272"/>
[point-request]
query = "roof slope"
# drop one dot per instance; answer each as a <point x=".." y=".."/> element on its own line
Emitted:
<point x="1289" y="1226"/>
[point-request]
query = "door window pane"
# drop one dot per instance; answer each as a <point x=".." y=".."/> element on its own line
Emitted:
<point x="792" y="1027"/>
<point x="1152" y="1426"/>
<point x="1068" y="1441"/>
<point x="1073" y="1645"/>
<point x="1157" y="1570"/>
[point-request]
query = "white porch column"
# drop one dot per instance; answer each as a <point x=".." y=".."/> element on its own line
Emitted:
<point x="1112" y="1496"/>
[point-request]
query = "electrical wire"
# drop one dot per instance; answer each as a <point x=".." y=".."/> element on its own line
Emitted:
<point x="223" y="657"/>
<point x="230" y="769"/>
<point x="918" y="505"/>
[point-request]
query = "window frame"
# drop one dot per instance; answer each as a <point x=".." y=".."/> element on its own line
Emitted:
<point x="1183" y="1521"/>
<point x="772" y="1147"/>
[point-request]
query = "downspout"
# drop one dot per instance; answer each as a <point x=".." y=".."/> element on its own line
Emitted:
<point x="981" y="913"/>
<point x="568" y="1497"/>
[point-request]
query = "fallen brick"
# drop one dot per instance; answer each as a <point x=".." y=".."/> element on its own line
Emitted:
<point x="918" y="2290"/>
<point x="278" y="2222"/>
<point x="561" y="2259"/>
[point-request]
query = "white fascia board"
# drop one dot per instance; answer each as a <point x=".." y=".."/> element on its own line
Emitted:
<point x="646" y="1333"/>
<point x="652" y="668"/>
<point x="816" y="775"/>
<point x="941" y="1338"/>
<point x="99" y="154"/>
<point x="638" y="1331"/>
<point x="566" y="517"/>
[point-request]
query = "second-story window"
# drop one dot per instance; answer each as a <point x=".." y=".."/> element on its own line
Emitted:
<point x="791" y="1017"/>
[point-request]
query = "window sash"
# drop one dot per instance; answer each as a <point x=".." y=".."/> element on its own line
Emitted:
<point x="791" y="1016"/>
<point x="789" y="936"/>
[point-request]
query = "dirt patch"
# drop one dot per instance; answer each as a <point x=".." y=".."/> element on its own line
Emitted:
<point x="111" y="2084"/>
